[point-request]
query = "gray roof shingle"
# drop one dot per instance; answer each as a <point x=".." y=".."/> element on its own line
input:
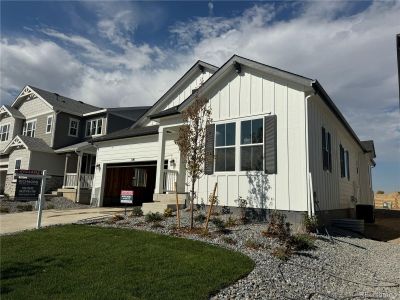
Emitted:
<point x="14" y="112"/>
<point x="66" y="104"/>
<point x="35" y="144"/>
<point x="127" y="133"/>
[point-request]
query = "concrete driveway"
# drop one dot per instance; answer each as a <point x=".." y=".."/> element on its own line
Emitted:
<point x="10" y="223"/>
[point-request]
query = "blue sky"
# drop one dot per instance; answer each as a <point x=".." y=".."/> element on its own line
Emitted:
<point x="129" y="53"/>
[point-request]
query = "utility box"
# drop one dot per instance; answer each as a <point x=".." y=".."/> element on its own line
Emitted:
<point x="365" y="212"/>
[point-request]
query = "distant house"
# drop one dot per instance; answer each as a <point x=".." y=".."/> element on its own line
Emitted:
<point x="44" y="130"/>
<point x="278" y="140"/>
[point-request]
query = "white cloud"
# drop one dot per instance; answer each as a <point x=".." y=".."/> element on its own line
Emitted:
<point x="353" y="57"/>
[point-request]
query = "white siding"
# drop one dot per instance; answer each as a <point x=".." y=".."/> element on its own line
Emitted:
<point x="334" y="192"/>
<point x="254" y="95"/>
<point x="34" y="107"/>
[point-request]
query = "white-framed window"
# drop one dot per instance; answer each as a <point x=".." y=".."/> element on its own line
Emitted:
<point x="17" y="164"/>
<point x="73" y="127"/>
<point x="29" y="128"/>
<point x="49" y="124"/>
<point x="225" y="141"/>
<point x="4" y="132"/>
<point x="251" y="145"/>
<point x="94" y="127"/>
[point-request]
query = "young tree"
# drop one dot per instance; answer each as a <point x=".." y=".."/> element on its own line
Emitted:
<point x="191" y="142"/>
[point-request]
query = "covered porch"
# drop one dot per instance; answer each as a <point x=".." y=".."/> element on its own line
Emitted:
<point x="80" y="164"/>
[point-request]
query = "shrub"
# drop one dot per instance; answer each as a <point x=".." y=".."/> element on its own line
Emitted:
<point x="218" y="223"/>
<point x="277" y="226"/>
<point x="4" y="210"/>
<point x="50" y="206"/>
<point x="137" y="211"/>
<point x="156" y="225"/>
<point x="380" y="192"/>
<point x="27" y="207"/>
<point x="282" y="252"/>
<point x="168" y="212"/>
<point x="225" y="210"/>
<point x="117" y="218"/>
<point x="153" y="217"/>
<point x="242" y="203"/>
<point x="252" y="244"/>
<point x="310" y="223"/>
<point x="230" y="222"/>
<point x="302" y="242"/>
<point x="200" y="218"/>
<point x="229" y="240"/>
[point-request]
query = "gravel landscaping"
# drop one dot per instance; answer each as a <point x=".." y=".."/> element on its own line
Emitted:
<point x="344" y="265"/>
<point x="12" y="206"/>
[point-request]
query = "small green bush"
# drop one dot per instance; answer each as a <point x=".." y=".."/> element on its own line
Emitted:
<point x="310" y="223"/>
<point x="218" y="223"/>
<point x="229" y="240"/>
<point x="282" y="252"/>
<point x="252" y="244"/>
<point x="302" y="242"/>
<point x="154" y="217"/>
<point x="4" y="210"/>
<point x="277" y="226"/>
<point x="27" y="207"/>
<point x="380" y="192"/>
<point x="200" y="218"/>
<point x="168" y="212"/>
<point x="137" y="211"/>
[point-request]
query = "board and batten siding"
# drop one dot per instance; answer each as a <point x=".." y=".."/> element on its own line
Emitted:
<point x="333" y="191"/>
<point x="252" y="95"/>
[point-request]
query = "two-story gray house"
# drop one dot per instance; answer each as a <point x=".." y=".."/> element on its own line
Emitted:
<point x="42" y="130"/>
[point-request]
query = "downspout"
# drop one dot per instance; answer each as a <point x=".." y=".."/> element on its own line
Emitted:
<point x="310" y="193"/>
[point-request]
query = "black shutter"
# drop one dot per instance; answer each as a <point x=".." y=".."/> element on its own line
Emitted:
<point x="270" y="152"/>
<point x="324" y="154"/>
<point x="348" y="165"/>
<point x="209" y="150"/>
<point x="329" y="153"/>
<point x="342" y="170"/>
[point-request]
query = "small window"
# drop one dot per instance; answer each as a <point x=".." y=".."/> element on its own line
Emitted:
<point x="4" y="131"/>
<point x="347" y="162"/>
<point x="49" y="124"/>
<point x="326" y="150"/>
<point x="344" y="163"/>
<point x="29" y="128"/>
<point x="140" y="177"/>
<point x="251" y="140"/>
<point x="17" y="164"/>
<point x="225" y="147"/>
<point x="73" y="127"/>
<point x="94" y="127"/>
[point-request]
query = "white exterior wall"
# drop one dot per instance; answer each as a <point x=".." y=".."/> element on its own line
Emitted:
<point x="252" y="95"/>
<point x="22" y="154"/>
<point x="34" y="107"/>
<point x="197" y="81"/>
<point x="334" y="192"/>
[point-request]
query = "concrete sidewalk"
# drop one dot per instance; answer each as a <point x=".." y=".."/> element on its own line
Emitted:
<point x="10" y="223"/>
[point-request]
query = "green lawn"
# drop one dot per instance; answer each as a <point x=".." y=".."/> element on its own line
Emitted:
<point x="82" y="262"/>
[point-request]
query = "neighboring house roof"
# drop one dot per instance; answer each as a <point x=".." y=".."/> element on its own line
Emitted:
<point x="132" y="113"/>
<point x="164" y="113"/>
<point x="76" y="147"/>
<point x="11" y="111"/>
<point x="127" y="133"/>
<point x="31" y="143"/>
<point x="198" y="66"/>
<point x="369" y="146"/>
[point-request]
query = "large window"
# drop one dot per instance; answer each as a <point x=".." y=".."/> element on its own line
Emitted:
<point x="49" y="124"/>
<point x="29" y="128"/>
<point x="251" y="141"/>
<point x="73" y="127"/>
<point x="326" y="150"/>
<point x="225" y="147"/>
<point x="4" y="130"/>
<point x="94" y="127"/>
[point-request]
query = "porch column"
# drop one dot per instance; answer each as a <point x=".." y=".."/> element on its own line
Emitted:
<point x="160" y="162"/>
<point x="78" y="177"/>
<point x="66" y="169"/>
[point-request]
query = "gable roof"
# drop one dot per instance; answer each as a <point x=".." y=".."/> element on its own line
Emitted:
<point x="199" y="66"/>
<point x="127" y="133"/>
<point x="11" y="111"/>
<point x="31" y="143"/>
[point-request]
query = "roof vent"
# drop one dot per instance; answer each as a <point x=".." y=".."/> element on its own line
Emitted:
<point x="57" y="95"/>
<point x="201" y="68"/>
<point x="81" y="102"/>
<point x="238" y="67"/>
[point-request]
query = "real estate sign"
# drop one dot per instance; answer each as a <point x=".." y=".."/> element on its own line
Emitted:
<point x="126" y="197"/>
<point x="28" y="188"/>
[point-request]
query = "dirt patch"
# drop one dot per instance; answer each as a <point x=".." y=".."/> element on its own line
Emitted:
<point x="386" y="227"/>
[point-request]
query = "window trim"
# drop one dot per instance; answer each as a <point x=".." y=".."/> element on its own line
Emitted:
<point x="24" y="128"/>
<point x="77" y="127"/>
<point x="96" y="121"/>
<point x="251" y="144"/>
<point x="7" y="132"/>
<point x="15" y="163"/>
<point x="47" y="124"/>
<point x="234" y="146"/>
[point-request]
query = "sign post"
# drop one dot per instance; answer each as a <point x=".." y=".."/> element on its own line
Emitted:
<point x="126" y="198"/>
<point x="28" y="182"/>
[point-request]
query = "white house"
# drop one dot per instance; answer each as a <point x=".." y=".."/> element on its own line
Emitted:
<point x="278" y="141"/>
